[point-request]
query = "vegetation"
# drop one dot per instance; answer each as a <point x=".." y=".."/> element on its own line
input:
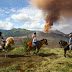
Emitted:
<point x="16" y="32"/>
<point x="49" y="60"/>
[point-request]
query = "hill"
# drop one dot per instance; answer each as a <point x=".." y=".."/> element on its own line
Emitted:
<point x="20" y="34"/>
<point x="15" y="32"/>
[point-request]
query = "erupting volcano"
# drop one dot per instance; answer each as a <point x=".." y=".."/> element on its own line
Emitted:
<point x="53" y="10"/>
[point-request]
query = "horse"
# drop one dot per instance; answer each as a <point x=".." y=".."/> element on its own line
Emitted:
<point x="8" y="42"/>
<point x="40" y="43"/>
<point x="62" y="43"/>
<point x="65" y="45"/>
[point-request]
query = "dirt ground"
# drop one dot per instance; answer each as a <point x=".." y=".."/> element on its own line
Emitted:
<point x="20" y="59"/>
<point x="48" y="60"/>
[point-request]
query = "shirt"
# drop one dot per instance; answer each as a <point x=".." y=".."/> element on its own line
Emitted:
<point x="70" y="41"/>
<point x="34" y="38"/>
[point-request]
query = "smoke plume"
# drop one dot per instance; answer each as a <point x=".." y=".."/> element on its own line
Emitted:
<point x="53" y="10"/>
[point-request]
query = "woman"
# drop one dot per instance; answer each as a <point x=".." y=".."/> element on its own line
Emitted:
<point x="34" y="40"/>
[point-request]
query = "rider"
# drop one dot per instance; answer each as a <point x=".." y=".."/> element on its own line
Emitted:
<point x="34" y="40"/>
<point x="3" y="41"/>
<point x="70" y="42"/>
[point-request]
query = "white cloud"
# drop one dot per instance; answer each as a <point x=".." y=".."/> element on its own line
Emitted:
<point x="22" y="17"/>
<point x="33" y="26"/>
<point x="28" y="15"/>
<point x="13" y="10"/>
<point x="6" y="25"/>
<point x="31" y="18"/>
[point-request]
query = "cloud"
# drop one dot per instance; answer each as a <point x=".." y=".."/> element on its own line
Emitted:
<point x="6" y="25"/>
<point x="27" y="15"/>
<point x="30" y="17"/>
<point x="33" y="26"/>
<point x="64" y="25"/>
<point x="22" y="18"/>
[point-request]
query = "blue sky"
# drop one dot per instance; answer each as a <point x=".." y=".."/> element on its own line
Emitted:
<point x="20" y="14"/>
<point x="13" y="3"/>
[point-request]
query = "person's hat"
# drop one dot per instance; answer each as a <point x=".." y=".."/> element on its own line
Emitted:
<point x="70" y="35"/>
<point x="34" y="33"/>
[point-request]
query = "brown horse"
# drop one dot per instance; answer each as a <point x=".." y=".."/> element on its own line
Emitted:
<point x="40" y="43"/>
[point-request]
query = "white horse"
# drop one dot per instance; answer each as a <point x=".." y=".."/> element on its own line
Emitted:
<point x="8" y="42"/>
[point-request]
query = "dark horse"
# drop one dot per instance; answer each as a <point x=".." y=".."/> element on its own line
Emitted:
<point x="40" y="43"/>
<point x="62" y="43"/>
<point x="65" y="45"/>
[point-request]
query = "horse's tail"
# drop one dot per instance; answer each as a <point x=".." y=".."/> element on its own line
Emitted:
<point x="25" y="43"/>
<point x="25" y="46"/>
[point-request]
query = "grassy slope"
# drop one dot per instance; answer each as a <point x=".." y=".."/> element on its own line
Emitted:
<point x="49" y="60"/>
<point x="16" y="32"/>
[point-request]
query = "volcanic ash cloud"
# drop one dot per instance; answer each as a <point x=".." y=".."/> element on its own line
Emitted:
<point x="53" y="10"/>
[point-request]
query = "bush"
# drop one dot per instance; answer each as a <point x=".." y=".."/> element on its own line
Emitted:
<point x="25" y="45"/>
<point x="11" y="48"/>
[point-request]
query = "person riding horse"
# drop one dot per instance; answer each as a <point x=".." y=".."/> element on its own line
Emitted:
<point x="34" y="40"/>
<point x="3" y="41"/>
<point x="70" y="42"/>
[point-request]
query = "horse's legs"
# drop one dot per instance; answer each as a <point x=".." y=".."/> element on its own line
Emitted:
<point x="64" y="52"/>
<point x="70" y="48"/>
<point x="37" y="52"/>
<point x="6" y="53"/>
<point x="28" y="50"/>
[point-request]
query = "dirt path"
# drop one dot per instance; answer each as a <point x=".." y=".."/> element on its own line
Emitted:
<point x="13" y="59"/>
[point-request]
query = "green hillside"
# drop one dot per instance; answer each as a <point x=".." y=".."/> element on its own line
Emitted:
<point x="16" y="32"/>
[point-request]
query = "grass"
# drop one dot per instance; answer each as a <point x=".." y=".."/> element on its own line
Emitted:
<point x="49" y="60"/>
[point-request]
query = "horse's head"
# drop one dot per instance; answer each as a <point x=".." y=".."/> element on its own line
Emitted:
<point x="62" y="43"/>
<point x="10" y="40"/>
<point x="45" y="41"/>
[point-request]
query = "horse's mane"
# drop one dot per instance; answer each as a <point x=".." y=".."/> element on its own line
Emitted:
<point x="42" y="40"/>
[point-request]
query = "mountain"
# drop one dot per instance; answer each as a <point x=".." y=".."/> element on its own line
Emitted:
<point x="16" y="32"/>
<point x="20" y="34"/>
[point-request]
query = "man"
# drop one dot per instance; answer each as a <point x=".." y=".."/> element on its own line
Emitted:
<point x="34" y="40"/>
<point x="70" y="42"/>
<point x="2" y="39"/>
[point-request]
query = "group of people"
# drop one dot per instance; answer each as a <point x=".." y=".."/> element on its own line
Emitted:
<point x="34" y="41"/>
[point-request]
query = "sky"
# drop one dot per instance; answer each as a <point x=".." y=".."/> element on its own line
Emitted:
<point x="20" y="14"/>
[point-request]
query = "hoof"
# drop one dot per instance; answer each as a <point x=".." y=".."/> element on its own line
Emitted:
<point x="64" y="55"/>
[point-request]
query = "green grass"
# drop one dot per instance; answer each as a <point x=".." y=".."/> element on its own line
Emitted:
<point x="11" y="68"/>
<point x="49" y="60"/>
<point x="19" y="50"/>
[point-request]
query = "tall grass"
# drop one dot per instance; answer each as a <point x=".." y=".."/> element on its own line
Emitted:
<point x="26" y="40"/>
<point x="24" y="43"/>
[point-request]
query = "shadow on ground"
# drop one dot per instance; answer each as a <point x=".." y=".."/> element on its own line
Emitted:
<point x="14" y="56"/>
<point x="46" y="55"/>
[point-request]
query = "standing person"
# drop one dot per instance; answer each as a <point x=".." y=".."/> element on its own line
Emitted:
<point x="2" y="39"/>
<point x="34" y="40"/>
<point x="70" y="42"/>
